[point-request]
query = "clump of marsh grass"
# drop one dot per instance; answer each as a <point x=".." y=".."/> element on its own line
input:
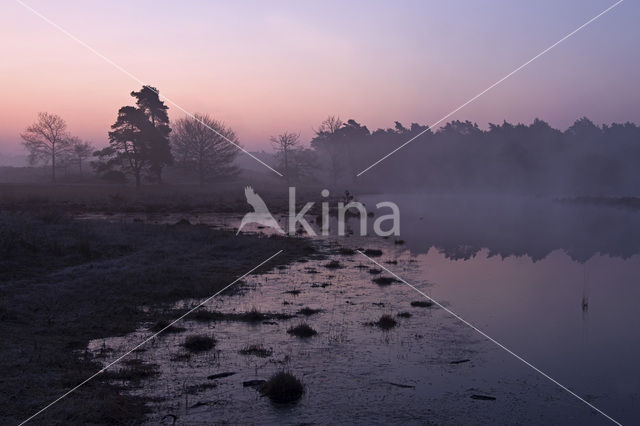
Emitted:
<point x="164" y="327"/>
<point x="257" y="350"/>
<point x="204" y="315"/>
<point x="346" y="251"/>
<point x="253" y="315"/>
<point x="405" y="315"/>
<point x="199" y="343"/>
<point x="282" y="388"/>
<point x="386" y="322"/>
<point x="334" y="264"/>
<point x="307" y="311"/>
<point x="373" y="252"/>
<point x="385" y="280"/>
<point x="134" y="370"/>
<point x="302" y="330"/>
<point x="422" y="303"/>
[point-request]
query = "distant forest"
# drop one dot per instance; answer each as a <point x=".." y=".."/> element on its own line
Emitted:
<point x="458" y="157"/>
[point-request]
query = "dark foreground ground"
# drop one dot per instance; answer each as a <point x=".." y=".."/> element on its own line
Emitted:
<point x="64" y="282"/>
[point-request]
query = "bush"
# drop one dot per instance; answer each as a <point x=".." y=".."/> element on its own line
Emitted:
<point x="282" y="388"/>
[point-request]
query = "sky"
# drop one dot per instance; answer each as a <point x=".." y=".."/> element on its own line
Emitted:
<point x="267" y="67"/>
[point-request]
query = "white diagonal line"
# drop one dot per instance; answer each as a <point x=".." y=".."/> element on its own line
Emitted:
<point x="139" y="81"/>
<point x="144" y="341"/>
<point x="500" y="345"/>
<point x="433" y="125"/>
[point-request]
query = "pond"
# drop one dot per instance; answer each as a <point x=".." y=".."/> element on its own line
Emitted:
<point x="552" y="281"/>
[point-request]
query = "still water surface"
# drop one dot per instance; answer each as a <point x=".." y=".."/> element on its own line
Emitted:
<point x="556" y="283"/>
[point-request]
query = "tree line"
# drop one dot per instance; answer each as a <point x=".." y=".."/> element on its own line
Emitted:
<point x="141" y="144"/>
<point x="459" y="156"/>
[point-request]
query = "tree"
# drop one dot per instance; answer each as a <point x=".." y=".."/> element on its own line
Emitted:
<point x="79" y="151"/>
<point x="128" y="149"/>
<point x="327" y="142"/>
<point x="139" y="140"/>
<point x="302" y="164"/>
<point x="46" y="140"/>
<point x="285" y="144"/>
<point x="353" y="137"/>
<point x="159" y="149"/>
<point x="202" y="150"/>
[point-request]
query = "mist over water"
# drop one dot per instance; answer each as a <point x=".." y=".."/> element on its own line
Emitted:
<point x="153" y="269"/>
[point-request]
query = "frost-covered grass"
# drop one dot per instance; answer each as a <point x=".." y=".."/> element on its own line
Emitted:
<point x="64" y="282"/>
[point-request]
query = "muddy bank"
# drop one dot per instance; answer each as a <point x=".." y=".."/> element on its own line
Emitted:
<point x="65" y="282"/>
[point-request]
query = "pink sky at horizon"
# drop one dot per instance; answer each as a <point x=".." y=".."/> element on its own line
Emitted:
<point x="264" y="70"/>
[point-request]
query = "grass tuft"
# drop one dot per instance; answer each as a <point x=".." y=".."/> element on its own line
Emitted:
<point x="282" y="388"/>
<point x="385" y="280"/>
<point x="199" y="343"/>
<point x="386" y="322"/>
<point x="422" y="303"/>
<point x="307" y="311"/>
<point x="257" y="350"/>
<point x="302" y="330"/>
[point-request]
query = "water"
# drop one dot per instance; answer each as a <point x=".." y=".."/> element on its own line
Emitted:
<point x="555" y="283"/>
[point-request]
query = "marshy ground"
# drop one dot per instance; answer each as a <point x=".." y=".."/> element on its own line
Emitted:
<point x="77" y="294"/>
<point x="64" y="282"/>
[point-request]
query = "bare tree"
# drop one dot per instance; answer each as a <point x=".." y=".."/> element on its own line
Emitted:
<point x="79" y="151"/>
<point x="285" y="144"/>
<point x="47" y="140"/>
<point x="202" y="150"/>
<point x="330" y="125"/>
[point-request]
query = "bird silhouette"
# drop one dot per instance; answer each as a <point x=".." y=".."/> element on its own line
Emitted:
<point x="260" y="213"/>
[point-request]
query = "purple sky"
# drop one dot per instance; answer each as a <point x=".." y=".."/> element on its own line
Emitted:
<point x="265" y="67"/>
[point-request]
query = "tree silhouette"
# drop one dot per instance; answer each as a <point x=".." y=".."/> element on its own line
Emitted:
<point x="327" y="143"/>
<point x="285" y="144"/>
<point x="128" y="150"/>
<point x="203" y="151"/>
<point x="79" y="151"/>
<point x="139" y="140"/>
<point x="159" y="148"/>
<point x="46" y="140"/>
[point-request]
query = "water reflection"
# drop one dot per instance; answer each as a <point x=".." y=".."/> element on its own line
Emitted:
<point x="556" y="283"/>
<point x="460" y="227"/>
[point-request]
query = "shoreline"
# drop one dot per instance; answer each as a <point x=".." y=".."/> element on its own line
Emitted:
<point x="86" y="280"/>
